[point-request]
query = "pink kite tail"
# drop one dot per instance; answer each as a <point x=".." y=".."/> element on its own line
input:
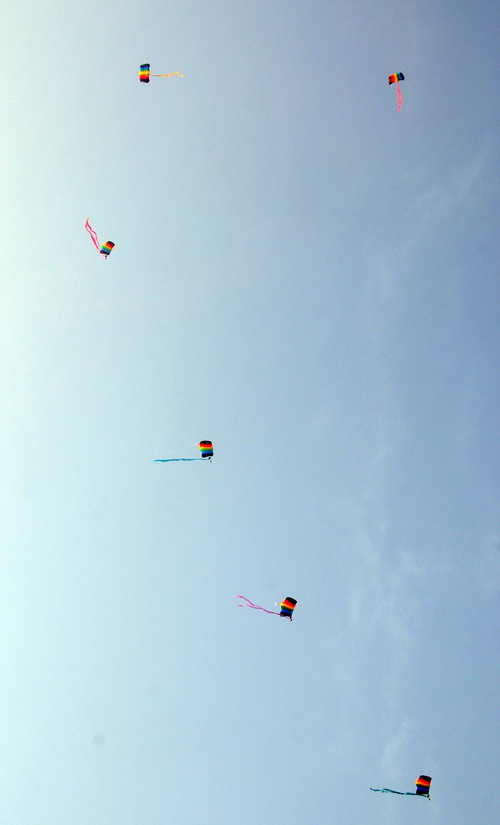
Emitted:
<point x="400" y="97"/>
<point x="93" y="235"/>
<point x="256" y="606"/>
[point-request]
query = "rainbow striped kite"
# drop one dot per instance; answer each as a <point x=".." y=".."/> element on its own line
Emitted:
<point x="206" y="450"/>
<point x="396" y="78"/>
<point x="287" y="607"/>
<point x="423" y="785"/>
<point x="145" y="74"/>
<point x="106" y="248"/>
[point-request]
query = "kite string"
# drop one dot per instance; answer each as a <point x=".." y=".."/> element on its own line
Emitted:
<point x="256" y="606"/>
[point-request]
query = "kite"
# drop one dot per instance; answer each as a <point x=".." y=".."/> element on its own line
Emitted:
<point x="106" y="248"/>
<point x="145" y="74"/>
<point x="423" y="785"/>
<point x="287" y="607"/>
<point x="206" y="450"/>
<point x="395" y="78"/>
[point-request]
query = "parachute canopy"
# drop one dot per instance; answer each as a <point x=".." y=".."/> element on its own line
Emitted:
<point x="287" y="606"/>
<point x="206" y="449"/>
<point x="423" y="784"/>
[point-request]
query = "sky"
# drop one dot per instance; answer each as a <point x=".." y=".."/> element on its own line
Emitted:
<point x="309" y="279"/>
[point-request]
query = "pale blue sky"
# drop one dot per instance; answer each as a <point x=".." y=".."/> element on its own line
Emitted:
<point x="311" y="280"/>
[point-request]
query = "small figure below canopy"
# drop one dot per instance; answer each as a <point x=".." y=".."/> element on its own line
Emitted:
<point x="206" y="450"/>
<point x="287" y="607"/>
<point x="396" y="78"/>
<point x="423" y="785"/>
<point x="145" y="74"/>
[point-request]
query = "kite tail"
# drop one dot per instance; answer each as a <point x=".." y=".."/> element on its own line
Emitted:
<point x="389" y="790"/>
<point x="172" y="74"/>
<point x="166" y="460"/>
<point x="256" y="606"/>
<point x="400" y="96"/>
<point x="93" y="235"/>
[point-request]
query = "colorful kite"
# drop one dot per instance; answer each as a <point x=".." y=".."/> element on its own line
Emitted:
<point x="145" y="74"/>
<point x="287" y="607"/>
<point x="395" y="78"/>
<point x="206" y="450"/>
<point x="423" y="784"/>
<point x="106" y="248"/>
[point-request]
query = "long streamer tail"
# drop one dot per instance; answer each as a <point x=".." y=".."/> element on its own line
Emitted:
<point x="400" y="96"/>
<point x="167" y="460"/>
<point x="93" y="235"/>
<point x="172" y="74"/>
<point x="389" y="790"/>
<point x="256" y="606"/>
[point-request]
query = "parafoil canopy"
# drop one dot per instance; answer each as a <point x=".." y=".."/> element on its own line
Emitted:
<point x="423" y="784"/>
<point x="107" y="247"/>
<point x="206" y="449"/>
<point x="287" y="606"/>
